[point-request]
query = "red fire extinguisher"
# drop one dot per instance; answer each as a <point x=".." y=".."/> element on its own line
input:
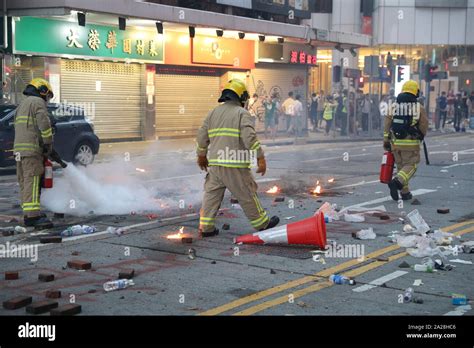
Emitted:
<point x="386" y="171"/>
<point x="48" y="174"/>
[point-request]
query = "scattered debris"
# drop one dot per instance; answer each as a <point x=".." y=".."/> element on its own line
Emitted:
<point x="408" y="295"/>
<point x="17" y="302"/>
<point x="8" y="233"/>
<point x="79" y="265"/>
<point x="382" y="259"/>
<point x="78" y="230"/>
<point x="20" y="229"/>
<point x="118" y="284"/>
<point x="408" y="228"/>
<point x="416" y="220"/>
<point x="443" y="211"/>
<point x="213" y="262"/>
<point x="328" y="210"/>
<point x="92" y="291"/>
<point x="128" y="274"/>
<point x="272" y="271"/>
<point x="53" y="294"/>
<point x="415" y="202"/>
<point x="417" y="282"/>
<point x="68" y="309"/>
<point x="192" y="253"/>
<point x="46" y="277"/>
<point x="11" y="275"/>
<point x="340" y="279"/>
<point x="114" y="230"/>
<point x="302" y="304"/>
<point x="41" y="307"/>
<point x="404" y="264"/>
<point x="418" y="300"/>
<point x="279" y="199"/>
<point x="464" y="262"/>
<point x="384" y="217"/>
<point x="51" y="239"/>
<point x="458" y="299"/>
<point x="152" y="216"/>
<point x="468" y="247"/>
<point x="274" y="189"/>
<point x="225" y="227"/>
<point x="75" y="253"/>
<point x="426" y="266"/>
<point x="58" y="215"/>
<point x="439" y="265"/>
<point x="354" y="218"/>
<point x="290" y="217"/>
<point x="366" y="234"/>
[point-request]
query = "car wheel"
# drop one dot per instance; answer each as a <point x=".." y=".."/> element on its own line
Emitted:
<point x="84" y="154"/>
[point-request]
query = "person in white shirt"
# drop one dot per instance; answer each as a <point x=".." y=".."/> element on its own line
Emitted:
<point x="288" y="110"/>
<point x="298" y="117"/>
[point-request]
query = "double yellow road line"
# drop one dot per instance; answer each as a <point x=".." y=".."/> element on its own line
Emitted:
<point x="321" y="279"/>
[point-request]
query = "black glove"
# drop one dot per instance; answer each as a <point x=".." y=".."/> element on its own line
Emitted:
<point x="47" y="149"/>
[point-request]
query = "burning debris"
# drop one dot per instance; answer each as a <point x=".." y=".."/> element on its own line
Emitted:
<point x="331" y="180"/>
<point x="274" y="189"/>
<point x="317" y="189"/>
<point x="184" y="238"/>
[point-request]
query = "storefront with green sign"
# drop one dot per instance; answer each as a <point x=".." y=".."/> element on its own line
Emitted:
<point x="98" y="66"/>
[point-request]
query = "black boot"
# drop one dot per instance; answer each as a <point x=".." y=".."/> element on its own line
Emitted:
<point x="394" y="187"/>
<point x="407" y="196"/>
<point x="38" y="222"/>
<point x="273" y="222"/>
<point x="208" y="234"/>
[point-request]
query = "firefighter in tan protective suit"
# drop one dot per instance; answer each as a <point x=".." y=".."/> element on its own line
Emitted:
<point x="227" y="143"/>
<point x="33" y="141"/>
<point x="406" y="125"/>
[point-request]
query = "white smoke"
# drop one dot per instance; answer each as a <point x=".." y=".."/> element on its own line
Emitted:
<point x="117" y="188"/>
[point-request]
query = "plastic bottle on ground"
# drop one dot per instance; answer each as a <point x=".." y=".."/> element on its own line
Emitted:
<point x="118" y="284"/>
<point x="423" y="268"/>
<point x="340" y="279"/>
<point x="408" y="296"/>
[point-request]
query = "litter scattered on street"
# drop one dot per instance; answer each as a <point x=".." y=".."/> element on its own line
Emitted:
<point x="458" y="299"/>
<point x="366" y="234"/>
<point x="464" y="262"/>
<point x="354" y="218"/>
<point x="418" y="222"/>
<point x="417" y="282"/>
<point x="78" y="230"/>
<point x="118" y="284"/>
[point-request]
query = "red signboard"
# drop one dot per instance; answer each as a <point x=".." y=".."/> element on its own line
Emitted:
<point x="302" y="57"/>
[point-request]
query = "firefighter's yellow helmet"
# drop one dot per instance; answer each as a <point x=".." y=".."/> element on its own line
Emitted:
<point x="238" y="87"/>
<point x="44" y="87"/>
<point x="411" y="87"/>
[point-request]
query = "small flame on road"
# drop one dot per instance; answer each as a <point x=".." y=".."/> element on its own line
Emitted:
<point x="178" y="235"/>
<point x="317" y="189"/>
<point x="140" y="170"/>
<point x="331" y="180"/>
<point x="274" y="189"/>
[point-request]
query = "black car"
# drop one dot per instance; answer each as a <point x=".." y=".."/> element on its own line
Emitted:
<point x="74" y="137"/>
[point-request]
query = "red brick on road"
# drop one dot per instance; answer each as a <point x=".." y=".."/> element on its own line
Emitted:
<point x="11" y="275"/>
<point x="53" y="294"/>
<point x="41" y="307"/>
<point x="46" y="277"/>
<point x="69" y="309"/>
<point x="78" y="264"/>
<point x="17" y="302"/>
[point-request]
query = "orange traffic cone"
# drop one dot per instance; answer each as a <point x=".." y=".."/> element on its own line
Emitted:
<point x="311" y="231"/>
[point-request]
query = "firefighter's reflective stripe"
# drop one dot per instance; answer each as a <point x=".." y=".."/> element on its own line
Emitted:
<point x="224" y="132"/>
<point x="21" y="120"/>
<point x="34" y="205"/>
<point x="200" y="148"/>
<point x="255" y="146"/>
<point x="26" y="147"/>
<point x="207" y="221"/>
<point x="386" y="135"/>
<point x="406" y="142"/>
<point x="229" y="163"/>
<point x="407" y="176"/>
<point x="344" y="108"/>
<point x="260" y="221"/>
<point x="47" y="133"/>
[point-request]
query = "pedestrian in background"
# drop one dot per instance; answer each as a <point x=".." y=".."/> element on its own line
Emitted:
<point x="270" y="105"/>
<point x="288" y="109"/>
<point x="313" y="111"/>
<point x="470" y="108"/>
<point x="328" y="115"/>
<point x="366" y="105"/>
<point x="451" y="98"/>
<point x="458" y="112"/>
<point x="442" y="104"/>
<point x="321" y="101"/>
<point x="298" y="117"/>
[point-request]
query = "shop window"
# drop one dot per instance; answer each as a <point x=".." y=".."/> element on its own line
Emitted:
<point x="323" y="6"/>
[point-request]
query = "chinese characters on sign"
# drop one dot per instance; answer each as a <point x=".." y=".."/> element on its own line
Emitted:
<point x="139" y="46"/>
<point x="302" y="58"/>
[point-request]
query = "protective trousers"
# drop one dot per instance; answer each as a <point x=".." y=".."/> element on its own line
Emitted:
<point x="240" y="183"/>
<point x="407" y="162"/>
<point x="29" y="171"/>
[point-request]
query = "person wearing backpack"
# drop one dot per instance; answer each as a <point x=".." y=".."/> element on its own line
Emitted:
<point x="405" y="127"/>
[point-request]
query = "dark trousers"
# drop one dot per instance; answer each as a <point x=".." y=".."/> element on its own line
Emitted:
<point x="365" y="122"/>
<point x="328" y="126"/>
<point x="442" y="116"/>
<point x="343" y="123"/>
<point x="457" y="119"/>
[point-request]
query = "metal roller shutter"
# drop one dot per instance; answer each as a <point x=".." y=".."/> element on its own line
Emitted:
<point x="267" y="79"/>
<point x="118" y="104"/>
<point x="182" y="103"/>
